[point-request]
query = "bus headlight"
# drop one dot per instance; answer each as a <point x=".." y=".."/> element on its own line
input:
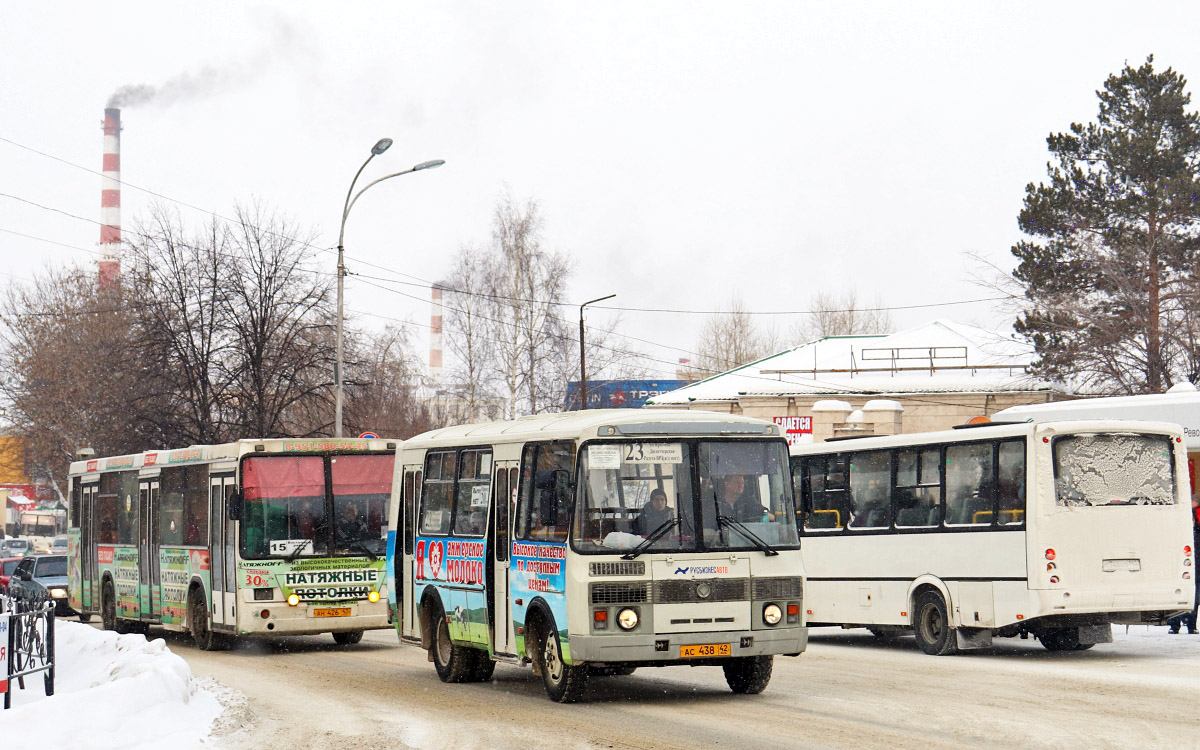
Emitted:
<point x="627" y="619"/>
<point x="58" y="593"/>
<point x="772" y="614"/>
<point x="293" y="600"/>
<point x="373" y="597"/>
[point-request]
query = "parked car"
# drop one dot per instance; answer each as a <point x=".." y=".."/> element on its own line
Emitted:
<point x="58" y="546"/>
<point x="42" y="576"/>
<point x="15" y="547"/>
<point x="7" y="566"/>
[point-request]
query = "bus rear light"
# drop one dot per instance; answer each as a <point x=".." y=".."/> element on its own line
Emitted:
<point x="1187" y="562"/>
<point x="1053" y="579"/>
<point x="1050" y="566"/>
<point x="265" y="613"/>
<point x="1187" y="576"/>
<point x="1187" y="549"/>
<point x="1050" y="554"/>
<point x="1045" y="440"/>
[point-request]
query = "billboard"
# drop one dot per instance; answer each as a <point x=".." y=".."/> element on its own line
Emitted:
<point x="619" y="394"/>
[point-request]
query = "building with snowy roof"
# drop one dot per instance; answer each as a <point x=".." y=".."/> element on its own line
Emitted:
<point x="930" y="377"/>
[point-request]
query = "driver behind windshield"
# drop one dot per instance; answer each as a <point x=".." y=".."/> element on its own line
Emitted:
<point x="733" y="501"/>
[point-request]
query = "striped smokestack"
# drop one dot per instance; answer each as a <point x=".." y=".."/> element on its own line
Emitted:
<point x="110" y="199"/>
<point x="435" y="336"/>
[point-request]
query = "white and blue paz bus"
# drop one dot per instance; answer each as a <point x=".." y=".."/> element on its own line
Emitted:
<point x="598" y="542"/>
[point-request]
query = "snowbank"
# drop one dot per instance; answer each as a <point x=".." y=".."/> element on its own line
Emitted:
<point x="112" y="691"/>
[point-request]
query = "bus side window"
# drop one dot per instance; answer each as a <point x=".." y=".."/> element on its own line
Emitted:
<point x="1010" y="483"/>
<point x="544" y="508"/>
<point x="969" y="486"/>
<point x="437" y="493"/>
<point x="828" y="493"/>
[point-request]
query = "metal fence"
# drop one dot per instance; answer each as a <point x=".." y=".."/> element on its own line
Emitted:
<point x="26" y="643"/>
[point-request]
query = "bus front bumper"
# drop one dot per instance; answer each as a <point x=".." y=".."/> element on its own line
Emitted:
<point x="666" y="647"/>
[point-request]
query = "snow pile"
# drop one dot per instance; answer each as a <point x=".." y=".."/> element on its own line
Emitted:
<point x="111" y="691"/>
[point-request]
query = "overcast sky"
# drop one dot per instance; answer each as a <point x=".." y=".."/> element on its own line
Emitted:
<point x="681" y="152"/>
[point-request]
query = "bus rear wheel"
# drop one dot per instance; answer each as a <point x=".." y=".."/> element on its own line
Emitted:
<point x="748" y="675"/>
<point x="453" y="663"/>
<point x="205" y="638"/>
<point x="348" y="638"/>
<point x="564" y="683"/>
<point x="931" y="625"/>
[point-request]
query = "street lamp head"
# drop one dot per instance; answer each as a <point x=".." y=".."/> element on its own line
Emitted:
<point x="383" y="145"/>
<point x="428" y="165"/>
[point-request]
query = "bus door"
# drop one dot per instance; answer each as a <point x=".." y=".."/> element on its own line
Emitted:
<point x="149" y="580"/>
<point x="87" y="546"/>
<point x="504" y="486"/>
<point x="221" y="557"/>
<point x="406" y="604"/>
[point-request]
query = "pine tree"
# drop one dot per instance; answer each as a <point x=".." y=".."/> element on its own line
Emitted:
<point x="1109" y="269"/>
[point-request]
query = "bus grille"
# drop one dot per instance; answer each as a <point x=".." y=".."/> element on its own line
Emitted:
<point x="634" y="592"/>
<point x="778" y="588"/>
<point x="622" y="568"/>
<point x="721" y="590"/>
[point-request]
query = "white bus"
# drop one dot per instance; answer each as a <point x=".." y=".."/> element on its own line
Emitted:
<point x="595" y="542"/>
<point x="257" y="537"/>
<point x="1055" y="530"/>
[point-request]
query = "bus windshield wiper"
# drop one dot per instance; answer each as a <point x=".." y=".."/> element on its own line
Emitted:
<point x="364" y="548"/>
<point x="733" y="523"/>
<point x="655" y="535"/>
<point x="291" y="556"/>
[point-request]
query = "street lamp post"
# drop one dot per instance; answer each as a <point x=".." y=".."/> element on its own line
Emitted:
<point x="583" y="354"/>
<point x="376" y="150"/>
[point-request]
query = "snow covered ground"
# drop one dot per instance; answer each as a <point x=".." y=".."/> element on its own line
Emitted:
<point x="114" y="691"/>
<point x="122" y="691"/>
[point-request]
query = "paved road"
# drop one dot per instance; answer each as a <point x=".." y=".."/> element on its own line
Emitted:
<point x="848" y="690"/>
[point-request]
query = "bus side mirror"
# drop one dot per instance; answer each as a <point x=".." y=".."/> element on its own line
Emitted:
<point x="234" y="506"/>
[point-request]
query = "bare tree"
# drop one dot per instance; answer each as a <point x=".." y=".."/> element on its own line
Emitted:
<point x="75" y="379"/>
<point x="470" y="321"/>
<point x="730" y="339"/>
<point x="182" y="323"/>
<point x="381" y="393"/>
<point x="281" y="322"/>
<point x="834" y="314"/>
<point x="527" y="284"/>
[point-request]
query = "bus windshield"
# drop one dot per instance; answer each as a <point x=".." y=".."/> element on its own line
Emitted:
<point x="288" y="510"/>
<point x="1114" y="469"/>
<point x="637" y="493"/>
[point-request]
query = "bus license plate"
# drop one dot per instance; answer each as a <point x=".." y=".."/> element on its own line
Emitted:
<point x="331" y="612"/>
<point x="700" y="650"/>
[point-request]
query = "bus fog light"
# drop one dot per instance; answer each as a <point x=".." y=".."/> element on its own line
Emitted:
<point x="373" y="597"/>
<point x="293" y="600"/>
<point x="772" y="614"/>
<point x="627" y="619"/>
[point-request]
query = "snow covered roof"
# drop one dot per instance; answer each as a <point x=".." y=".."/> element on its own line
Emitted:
<point x="938" y="357"/>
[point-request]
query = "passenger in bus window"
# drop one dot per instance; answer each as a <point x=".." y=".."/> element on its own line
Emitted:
<point x="654" y="513"/>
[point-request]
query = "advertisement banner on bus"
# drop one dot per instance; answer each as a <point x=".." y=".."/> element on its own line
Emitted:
<point x="619" y="394"/>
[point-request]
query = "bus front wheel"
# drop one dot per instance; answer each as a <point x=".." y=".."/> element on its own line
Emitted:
<point x="564" y="683"/>
<point x="205" y="638"/>
<point x="748" y="675"/>
<point x="932" y="625"/>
